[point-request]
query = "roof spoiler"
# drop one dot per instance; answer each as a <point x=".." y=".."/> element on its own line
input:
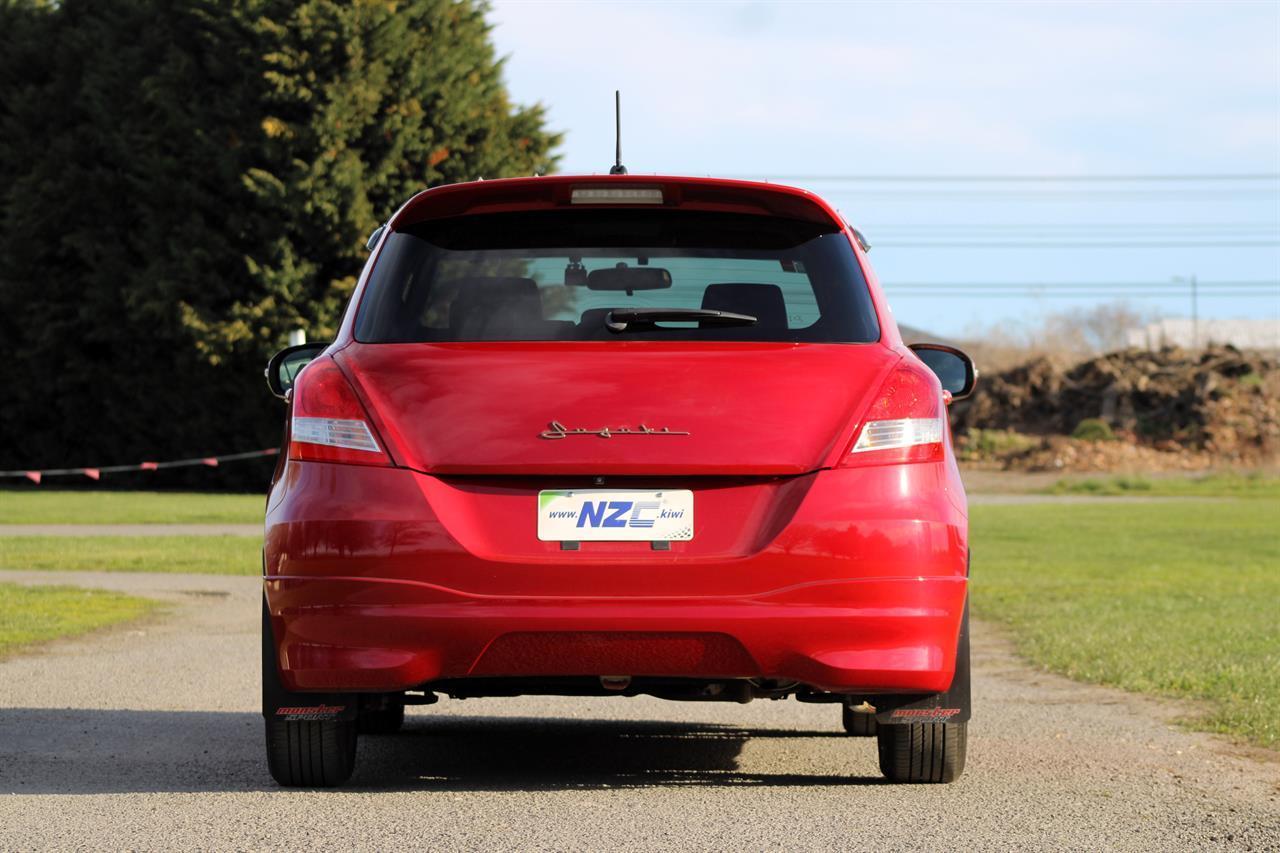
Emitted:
<point x="546" y="193"/>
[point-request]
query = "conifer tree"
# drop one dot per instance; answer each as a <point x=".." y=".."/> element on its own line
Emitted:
<point x="183" y="182"/>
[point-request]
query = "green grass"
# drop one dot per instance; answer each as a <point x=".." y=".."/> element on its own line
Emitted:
<point x="54" y="507"/>
<point x="1093" y="429"/>
<point x="1254" y="485"/>
<point x="1178" y="599"/>
<point x="980" y="444"/>
<point x="214" y="555"/>
<point x="1175" y="599"/>
<point x="37" y="614"/>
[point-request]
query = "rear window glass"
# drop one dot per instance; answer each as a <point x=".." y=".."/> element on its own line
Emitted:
<point x="571" y="275"/>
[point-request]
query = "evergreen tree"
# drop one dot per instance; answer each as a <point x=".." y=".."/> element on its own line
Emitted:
<point x="183" y="182"/>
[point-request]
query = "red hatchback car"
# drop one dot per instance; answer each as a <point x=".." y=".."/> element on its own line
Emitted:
<point x="621" y="436"/>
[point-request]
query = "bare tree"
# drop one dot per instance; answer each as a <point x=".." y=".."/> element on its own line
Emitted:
<point x="1073" y="333"/>
<point x="1098" y="329"/>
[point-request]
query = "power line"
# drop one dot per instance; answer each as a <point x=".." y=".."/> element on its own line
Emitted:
<point x="1042" y="178"/>
<point x="1089" y="224"/>
<point x="1011" y="294"/>
<point x="1087" y="289"/>
<point x="1239" y="244"/>
<point x="1059" y="194"/>
<point x="1264" y="283"/>
<point x="1084" y="237"/>
<point x="879" y="238"/>
<point x="1074" y="233"/>
<point x="1078" y="294"/>
<point x="1168" y="291"/>
<point x="1076" y="226"/>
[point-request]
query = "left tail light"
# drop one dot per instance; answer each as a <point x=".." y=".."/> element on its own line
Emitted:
<point x="907" y="423"/>
<point x="329" y="423"/>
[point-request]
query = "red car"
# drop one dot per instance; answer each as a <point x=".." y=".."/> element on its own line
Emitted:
<point x="622" y="436"/>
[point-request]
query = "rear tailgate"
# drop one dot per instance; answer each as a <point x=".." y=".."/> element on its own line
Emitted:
<point x="615" y="408"/>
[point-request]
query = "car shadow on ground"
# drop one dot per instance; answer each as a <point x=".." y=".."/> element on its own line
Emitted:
<point x="507" y="753"/>
<point x="85" y="751"/>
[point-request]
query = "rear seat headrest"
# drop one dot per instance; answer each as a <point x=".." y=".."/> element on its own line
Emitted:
<point x="494" y="305"/>
<point x="762" y="301"/>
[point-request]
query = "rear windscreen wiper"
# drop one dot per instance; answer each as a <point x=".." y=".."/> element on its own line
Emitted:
<point x="643" y="319"/>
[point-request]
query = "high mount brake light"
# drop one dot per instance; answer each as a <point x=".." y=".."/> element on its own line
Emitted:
<point x="907" y="423"/>
<point x="616" y="195"/>
<point x="329" y="424"/>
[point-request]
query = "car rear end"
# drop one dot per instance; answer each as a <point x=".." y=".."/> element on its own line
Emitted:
<point x="633" y="435"/>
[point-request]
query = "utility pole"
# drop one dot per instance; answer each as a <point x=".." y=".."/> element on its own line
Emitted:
<point x="1195" y="308"/>
<point x="1195" y="316"/>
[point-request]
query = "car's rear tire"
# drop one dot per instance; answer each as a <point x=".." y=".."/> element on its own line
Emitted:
<point x="382" y="721"/>
<point x="858" y="723"/>
<point x="311" y="754"/>
<point x="922" y="752"/>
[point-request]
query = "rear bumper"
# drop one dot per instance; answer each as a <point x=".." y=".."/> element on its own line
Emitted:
<point x="849" y="581"/>
<point x="352" y="634"/>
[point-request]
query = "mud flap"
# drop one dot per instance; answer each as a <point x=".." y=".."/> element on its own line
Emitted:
<point x="287" y="706"/>
<point x="952" y="706"/>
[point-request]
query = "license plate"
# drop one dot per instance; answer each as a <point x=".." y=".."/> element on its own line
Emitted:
<point x="615" y="515"/>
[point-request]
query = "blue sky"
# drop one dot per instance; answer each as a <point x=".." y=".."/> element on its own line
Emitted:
<point x="821" y="91"/>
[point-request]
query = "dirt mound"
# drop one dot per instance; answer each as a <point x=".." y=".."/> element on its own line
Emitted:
<point x="1215" y="407"/>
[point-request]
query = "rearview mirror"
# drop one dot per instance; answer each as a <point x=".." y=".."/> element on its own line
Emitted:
<point x="285" y="366"/>
<point x="954" y="369"/>
<point x="629" y="278"/>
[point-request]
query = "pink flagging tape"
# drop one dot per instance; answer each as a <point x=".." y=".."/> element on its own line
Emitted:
<point x="97" y="472"/>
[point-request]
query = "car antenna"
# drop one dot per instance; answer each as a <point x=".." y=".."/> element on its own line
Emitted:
<point x="617" y="168"/>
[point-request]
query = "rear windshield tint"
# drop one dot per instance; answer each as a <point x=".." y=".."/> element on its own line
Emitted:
<point x="529" y="277"/>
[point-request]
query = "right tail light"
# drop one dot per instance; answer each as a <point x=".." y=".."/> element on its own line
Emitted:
<point x="907" y="422"/>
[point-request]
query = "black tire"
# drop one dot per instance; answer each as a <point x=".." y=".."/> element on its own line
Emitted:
<point x="922" y="752"/>
<point x="318" y="754"/>
<point x="382" y="721"/>
<point x="857" y="723"/>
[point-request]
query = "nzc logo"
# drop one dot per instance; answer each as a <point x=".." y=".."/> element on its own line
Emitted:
<point x="623" y="513"/>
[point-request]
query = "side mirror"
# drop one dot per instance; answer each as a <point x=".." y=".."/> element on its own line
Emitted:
<point x="954" y="369"/>
<point x="285" y="366"/>
<point x="372" y="242"/>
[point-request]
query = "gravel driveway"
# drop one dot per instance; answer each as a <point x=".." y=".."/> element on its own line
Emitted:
<point x="150" y="738"/>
